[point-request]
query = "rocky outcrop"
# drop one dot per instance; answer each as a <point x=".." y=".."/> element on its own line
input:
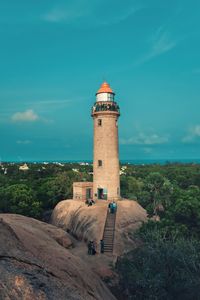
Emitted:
<point x="87" y="223"/>
<point x="36" y="263"/>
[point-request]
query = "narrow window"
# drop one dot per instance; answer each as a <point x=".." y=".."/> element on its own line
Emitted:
<point x="99" y="122"/>
<point x="100" y="163"/>
<point x="116" y="123"/>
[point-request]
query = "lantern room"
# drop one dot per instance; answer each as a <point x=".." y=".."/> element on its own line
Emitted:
<point x="105" y="93"/>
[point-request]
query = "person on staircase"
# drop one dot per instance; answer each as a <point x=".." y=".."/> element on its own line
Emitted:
<point x="114" y="205"/>
<point x="102" y="246"/>
<point x="109" y="207"/>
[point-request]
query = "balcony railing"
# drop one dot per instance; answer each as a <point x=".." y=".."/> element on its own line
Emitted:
<point x="102" y="106"/>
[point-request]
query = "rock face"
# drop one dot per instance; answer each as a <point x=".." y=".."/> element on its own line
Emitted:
<point x="35" y="263"/>
<point x="87" y="223"/>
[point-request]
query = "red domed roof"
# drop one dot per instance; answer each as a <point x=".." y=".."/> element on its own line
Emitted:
<point x="105" y="88"/>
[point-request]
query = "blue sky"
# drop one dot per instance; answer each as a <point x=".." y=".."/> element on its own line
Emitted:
<point x="55" y="54"/>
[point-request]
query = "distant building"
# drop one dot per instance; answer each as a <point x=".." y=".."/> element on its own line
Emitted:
<point x="106" y="181"/>
<point x="24" y="167"/>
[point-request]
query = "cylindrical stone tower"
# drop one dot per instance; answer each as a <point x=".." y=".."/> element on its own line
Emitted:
<point x="105" y="113"/>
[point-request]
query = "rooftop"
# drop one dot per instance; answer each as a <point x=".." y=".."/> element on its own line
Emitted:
<point x="105" y="88"/>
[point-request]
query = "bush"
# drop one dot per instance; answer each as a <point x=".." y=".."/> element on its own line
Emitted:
<point x="161" y="269"/>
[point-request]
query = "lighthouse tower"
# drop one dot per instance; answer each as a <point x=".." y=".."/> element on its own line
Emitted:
<point x="105" y="113"/>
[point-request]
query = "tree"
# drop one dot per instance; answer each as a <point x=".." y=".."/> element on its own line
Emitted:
<point x="20" y="199"/>
<point x="130" y="186"/>
<point x="159" y="189"/>
<point x="161" y="269"/>
<point x="55" y="189"/>
<point x="185" y="209"/>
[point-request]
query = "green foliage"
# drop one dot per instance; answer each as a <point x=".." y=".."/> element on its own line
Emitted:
<point x="20" y="199"/>
<point x="55" y="189"/>
<point x="130" y="187"/>
<point x="185" y="209"/>
<point x="157" y="190"/>
<point x="161" y="269"/>
<point x="37" y="190"/>
<point x="166" y="263"/>
<point x="166" y="229"/>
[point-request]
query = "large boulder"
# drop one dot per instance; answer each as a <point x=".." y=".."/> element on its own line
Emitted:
<point x="87" y="222"/>
<point x="36" y="263"/>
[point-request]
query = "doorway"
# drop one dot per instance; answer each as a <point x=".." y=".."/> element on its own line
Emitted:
<point x="102" y="194"/>
<point x="88" y="193"/>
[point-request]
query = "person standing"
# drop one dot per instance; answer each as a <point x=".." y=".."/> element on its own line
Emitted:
<point x="93" y="248"/>
<point x="102" y="246"/>
<point x="114" y="204"/>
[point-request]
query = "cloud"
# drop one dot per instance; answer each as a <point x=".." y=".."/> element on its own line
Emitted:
<point x="58" y="15"/>
<point x="144" y="139"/>
<point x="26" y="116"/>
<point x="24" y="142"/>
<point x="192" y="135"/>
<point x="160" y="43"/>
<point x="121" y="17"/>
<point x="51" y="103"/>
<point x="90" y="13"/>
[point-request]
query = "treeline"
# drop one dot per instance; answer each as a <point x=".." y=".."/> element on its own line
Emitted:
<point x="166" y="263"/>
<point x="36" y="191"/>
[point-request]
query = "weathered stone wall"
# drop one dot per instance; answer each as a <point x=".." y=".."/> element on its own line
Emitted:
<point x="106" y="150"/>
<point x="80" y="190"/>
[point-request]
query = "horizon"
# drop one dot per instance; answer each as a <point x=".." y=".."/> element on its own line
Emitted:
<point x="162" y="161"/>
<point x="54" y="57"/>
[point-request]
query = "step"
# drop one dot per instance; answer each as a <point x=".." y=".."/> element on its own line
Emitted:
<point x="108" y="234"/>
<point x="108" y="243"/>
<point x="109" y="229"/>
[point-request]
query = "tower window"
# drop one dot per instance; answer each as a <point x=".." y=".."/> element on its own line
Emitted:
<point x="99" y="122"/>
<point x="100" y="163"/>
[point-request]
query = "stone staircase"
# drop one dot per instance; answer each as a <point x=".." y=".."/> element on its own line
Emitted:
<point x="109" y="232"/>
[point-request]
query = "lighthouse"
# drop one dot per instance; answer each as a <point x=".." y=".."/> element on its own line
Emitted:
<point x="105" y="114"/>
<point x="106" y="181"/>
